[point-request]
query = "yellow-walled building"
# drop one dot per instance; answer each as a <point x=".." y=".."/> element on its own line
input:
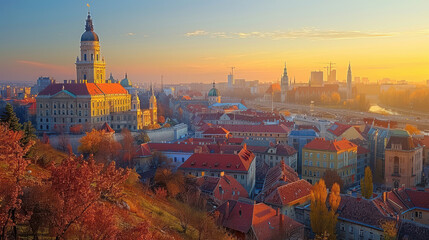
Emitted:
<point x="91" y="100"/>
<point x="320" y="155"/>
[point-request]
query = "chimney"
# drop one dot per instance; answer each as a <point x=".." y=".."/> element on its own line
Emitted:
<point x="227" y="210"/>
<point x="222" y="173"/>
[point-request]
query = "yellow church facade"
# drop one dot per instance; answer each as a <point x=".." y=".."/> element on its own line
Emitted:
<point x="90" y="101"/>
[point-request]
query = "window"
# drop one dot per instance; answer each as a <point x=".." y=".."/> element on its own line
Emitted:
<point x="325" y="164"/>
<point x="342" y="227"/>
<point x="84" y="57"/>
<point x="318" y="155"/>
<point x="361" y="233"/>
<point x="242" y="176"/>
<point x="175" y="159"/>
<point x="306" y="154"/>
<point x="332" y="156"/>
<point x="305" y="172"/>
<point x="351" y="229"/>
<point x="318" y="163"/>
<point x="235" y="176"/>
<point x="306" y="163"/>
<point x="331" y="165"/>
<point x="311" y="163"/>
<point x="396" y="165"/>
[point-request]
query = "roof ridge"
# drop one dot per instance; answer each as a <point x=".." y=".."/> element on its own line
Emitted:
<point x="98" y="88"/>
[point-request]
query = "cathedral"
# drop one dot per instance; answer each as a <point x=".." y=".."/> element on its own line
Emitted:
<point x="91" y="100"/>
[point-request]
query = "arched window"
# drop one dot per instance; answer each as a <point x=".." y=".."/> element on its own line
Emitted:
<point x="396" y="165"/>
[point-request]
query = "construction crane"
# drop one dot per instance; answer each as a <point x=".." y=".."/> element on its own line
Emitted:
<point x="328" y="69"/>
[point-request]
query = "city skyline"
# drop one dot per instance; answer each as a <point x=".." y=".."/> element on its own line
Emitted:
<point x="196" y="42"/>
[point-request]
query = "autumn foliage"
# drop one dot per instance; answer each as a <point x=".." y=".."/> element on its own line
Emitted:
<point x="324" y="220"/>
<point x="366" y="184"/>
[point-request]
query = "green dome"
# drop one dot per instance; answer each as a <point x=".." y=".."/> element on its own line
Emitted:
<point x="214" y="92"/>
<point x="126" y="82"/>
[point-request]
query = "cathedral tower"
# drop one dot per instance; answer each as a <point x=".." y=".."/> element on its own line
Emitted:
<point x="90" y="67"/>
<point x="349" y="83"/>
<point x="284" y="85"/>
<point x="153" y="107"/>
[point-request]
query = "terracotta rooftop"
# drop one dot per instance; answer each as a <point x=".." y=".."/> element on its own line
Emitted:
<point x="328" y="145"/>
<point x="338" y="128"/>
<point x="83" y="89"/>
<point x="221" y="162"/>
<point x="278" y="175"/>
<point x="216" y="131"/>
<point x="280" y="128"/>
<point x="244" y="216"/>
<point x="107" y="128"/>
<point x="222" y="188"/>
<point x="288" y="193"/>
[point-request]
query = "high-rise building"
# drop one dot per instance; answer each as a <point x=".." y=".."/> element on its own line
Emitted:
<point x="284" y="85"/>
<point x="90" y="67"/>
<point x="316" y="79"/>
<point x="231" y="79"/>
<point x="349" y="83"/>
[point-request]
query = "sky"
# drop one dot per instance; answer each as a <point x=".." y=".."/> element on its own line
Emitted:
<point x="199" y="40"/>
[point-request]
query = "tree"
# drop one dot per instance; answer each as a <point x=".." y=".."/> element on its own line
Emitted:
<point x="9" y="117"/>
<point x="79" y="185"/>
<point x="389" y="229"/>
<point x="323" y="221"/>
<point x="366" y="184"/>
<point x="173" y="182"/>
<point x="335" y="98"/>
<point x="90" y="143"/>
<point x="128" y="146"/>
<point x="12" y="177"/>
<point x="141" y="138"/>
<point x="330" y="177"/>
<point x="29" y="133"/>
<point x="413" y="130"/>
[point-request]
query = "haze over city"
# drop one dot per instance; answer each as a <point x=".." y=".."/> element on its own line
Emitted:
<point x="198" y="41"/>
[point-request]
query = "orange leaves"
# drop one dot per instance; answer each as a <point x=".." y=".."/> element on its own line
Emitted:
<point x="80" y="184"/>
<point x="323" y="220"/>
<point x="334" y="197"/>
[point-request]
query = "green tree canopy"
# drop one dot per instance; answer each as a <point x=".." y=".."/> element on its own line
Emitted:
<point x="9" y="117"/>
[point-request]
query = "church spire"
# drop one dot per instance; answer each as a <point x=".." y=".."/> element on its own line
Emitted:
<point x="89" y="26"/>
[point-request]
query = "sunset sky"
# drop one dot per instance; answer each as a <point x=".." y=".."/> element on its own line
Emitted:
<point x="197" y="40"/>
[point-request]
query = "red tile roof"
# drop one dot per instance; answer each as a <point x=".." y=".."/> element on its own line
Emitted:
<point x="285" y="150"/>
<point x="305" y="127"/>
<point x="222" y="188"/>
<point x="278" y="175"/>
<point x="256" y="128"/>
<point x="143" y="150"/>
<point x="244" y="216"/>
<point x="82" y="89"/>
<point x="288" y="193"/>
<point x="107" y="128"/>
<point x="221" y="162"/>
<point x="338" y="128"/>
<point x="327" y="145"/>
<point x="216" y="131"/>
<point x="360" y="210"/>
